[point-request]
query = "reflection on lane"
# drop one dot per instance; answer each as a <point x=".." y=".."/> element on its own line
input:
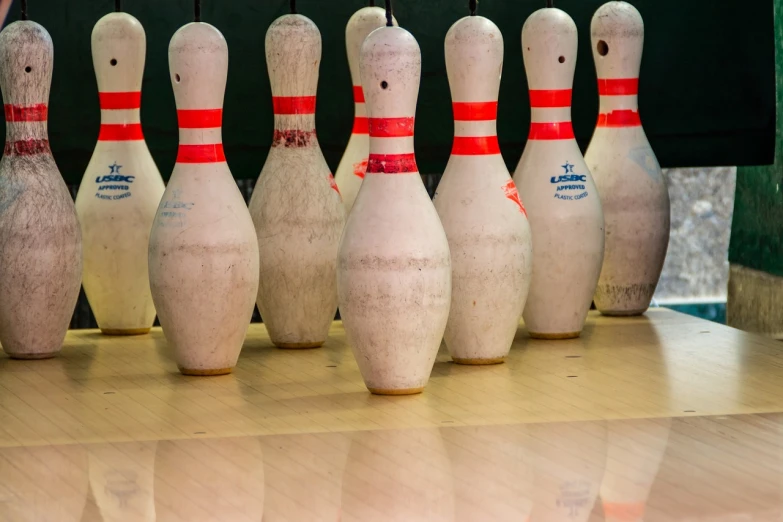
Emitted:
<point x="723" y="468"/>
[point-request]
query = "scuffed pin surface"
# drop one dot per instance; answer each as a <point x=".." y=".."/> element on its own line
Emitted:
<point x="568" y="234"/>
<point x="633" y="189"/>
<point x="116" y="231"/>
<point x="298" y="214"/>
<point x="40" y="238"/>
<point x="394" y="272"/>
<point x="489" y="236"/>
<point x="203" y="253"/>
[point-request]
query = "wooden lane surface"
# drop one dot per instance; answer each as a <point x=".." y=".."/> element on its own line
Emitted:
<point x="690" y="468"/>
<point x="664" y="364"/>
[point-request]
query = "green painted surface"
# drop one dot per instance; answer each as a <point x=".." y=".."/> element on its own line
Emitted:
<point x="707" y="84"/>
<point x="757" y="229"/>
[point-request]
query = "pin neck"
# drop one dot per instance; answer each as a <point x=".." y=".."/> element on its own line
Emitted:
<point x="26" y="122"/>
<point x="120" y="108"/>
<point x="618" y="94"/>
<point x="360" y="123"/>
<point x="294" y="121"/>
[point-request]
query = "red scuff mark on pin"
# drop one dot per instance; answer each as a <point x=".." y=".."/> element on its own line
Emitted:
<point x="293" y="104"/>
<point x="37" y="112"/>
<point x="359" y="169"/>
<point x="208" y="153"/>
<point x="619" y="118"/>
<point x="358" y="94"/>
<point x="292" y="138"/>
<point x="200" y="118"/>
<point x="114" y="101"/>
<point x="561" y="130"/>
<point x="391" y="164"/>
<point x="120" y="132"/>
<point x="391" y="127"/>
<point x="513" y="194"/>
<point x="475" y="145"/>
<point x="475" y="111"/>
<point x="333" y="183"/>
<point x="26" y="147"/>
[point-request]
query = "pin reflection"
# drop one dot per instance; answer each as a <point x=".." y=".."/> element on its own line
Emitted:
<point x="43" y="483"/>
<point x="398" y="476"/>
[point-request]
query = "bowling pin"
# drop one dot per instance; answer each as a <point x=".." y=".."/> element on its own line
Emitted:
<point x="40" y="239"/>
<point x="562" y="202"/>
<point x="203" y="254"/>
<point x="296" y="206"/>
<point x="484" y="219"/>
<point x="629" y="179"/>
<point x="121" y="188"/>
<point x="394" y="268"/>
<point x="350" y="172"/>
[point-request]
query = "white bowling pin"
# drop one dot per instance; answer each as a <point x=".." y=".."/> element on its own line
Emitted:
<point x="563" y="206"/>
<point x="484" y="219"/>
<point x="121" y="188"/>
<point x="40" y="239"/>
<point x="394" y="268"/>
<point x="296" y="206"/>
<point x="353" y="165"/>
<point x="203" y="252"/>
<point x="630" y="182"/>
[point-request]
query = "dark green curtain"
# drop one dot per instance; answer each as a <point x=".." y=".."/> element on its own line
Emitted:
<point x="707" y="83"/>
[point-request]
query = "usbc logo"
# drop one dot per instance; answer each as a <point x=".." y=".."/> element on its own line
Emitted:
<point x="114" y="176"/>
<point x="569" y="176"/>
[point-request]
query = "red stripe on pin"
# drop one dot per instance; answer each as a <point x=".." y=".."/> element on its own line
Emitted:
<point x="200" y="118"/>
<point x="550" y="98"/>
<point x="120" y="132"/>
<point x="618" y="87"/>
<point x="390" y="127"/>
<point x="38" y="112"/>
<point x="212" y="153"/>
<point x="358" y="94"/>
<point x="475" y="111"/>
<point x="620" y="118"/>
<point x="26" y="147"/>
<point x="391" y="164"/>
<point x="294" y="104"/>
<point x="563" y="130"/>
<point x="475" y="146"/>
<point x="361" y="125"/>
<point x="113" y="101"/>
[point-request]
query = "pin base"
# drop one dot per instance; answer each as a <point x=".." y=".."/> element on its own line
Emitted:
<point x="205" y="373"/>
<point x="555" y="336"/>
<point x="479" y="362"/>
<point x="299" y="346"/>
<point x="404" y="391"/>
<point x="125" y="331"/>
<point x="32" y="356"/>
<point x="622" y="313"/>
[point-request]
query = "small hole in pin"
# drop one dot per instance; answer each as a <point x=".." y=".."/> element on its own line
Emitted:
<point x="28" y="69"/>
<point x="603" y="48"/>
<point x="384" y="84"/>
<point x="176" y="77"/>
<point x="113" y="62"/>
<point x="561" y="59"/>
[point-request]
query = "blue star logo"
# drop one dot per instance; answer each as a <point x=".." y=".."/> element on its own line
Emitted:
<point x="569" y="169"/>
<point x="115" y="169"/>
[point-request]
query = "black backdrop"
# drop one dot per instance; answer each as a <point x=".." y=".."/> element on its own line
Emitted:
<point x="707" y="84"/>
